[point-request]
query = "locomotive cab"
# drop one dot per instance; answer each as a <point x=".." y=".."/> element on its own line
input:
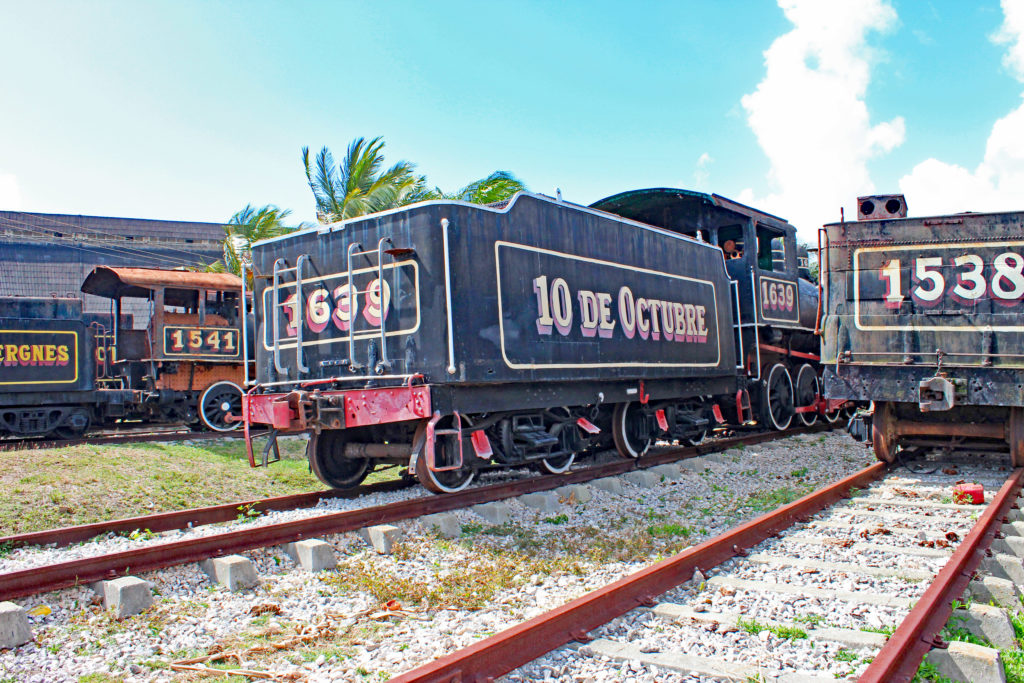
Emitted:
<point x="181" y="352"/>
<point x="775" y="306"/>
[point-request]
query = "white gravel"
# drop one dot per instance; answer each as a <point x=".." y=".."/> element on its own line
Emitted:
<point x="536" y="562"/>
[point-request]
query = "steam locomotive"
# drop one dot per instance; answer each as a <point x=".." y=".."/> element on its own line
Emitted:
<point x="63" y="371"/>
<point x="452" y="337"/>
<point x="923" y="316"/>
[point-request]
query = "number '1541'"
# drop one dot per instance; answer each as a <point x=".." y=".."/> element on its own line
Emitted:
<point x="1004" y="281"/>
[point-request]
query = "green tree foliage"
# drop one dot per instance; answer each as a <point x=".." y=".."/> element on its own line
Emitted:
<point x="359" y="184"/>
<point x="249" y="225"/>
<point x="497" y="187"/>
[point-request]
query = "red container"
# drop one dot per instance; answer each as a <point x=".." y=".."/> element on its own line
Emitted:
<point x="972" y="494"/>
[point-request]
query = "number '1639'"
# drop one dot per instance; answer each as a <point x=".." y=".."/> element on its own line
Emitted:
<point x="969" y="280"/>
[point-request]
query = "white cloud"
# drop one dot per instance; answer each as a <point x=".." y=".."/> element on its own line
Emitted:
<point x="10" y="193"/>
<point x="809" y="114"/>
<point x="997" y="184"/>
<point x="1012" y="32"/>
<point x="701" y="172"/>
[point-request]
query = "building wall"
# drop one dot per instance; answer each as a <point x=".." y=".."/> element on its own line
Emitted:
<point x="51" y="254"/>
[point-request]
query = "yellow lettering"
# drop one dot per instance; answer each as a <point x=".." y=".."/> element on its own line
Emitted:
<point x="62" y="355"/>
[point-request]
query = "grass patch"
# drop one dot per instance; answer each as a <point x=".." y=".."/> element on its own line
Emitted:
<point x="753" y="627"/>
<point x="802" y="472"/>
<point x="845" y="655"/>
<point x="84" y="484"/>
<point x="458" y="587"/>
<point x="670" y="530"/>
<point x="557" y="519"/>
<point x="770" y="500"/>
<point x="1013" y="665"/>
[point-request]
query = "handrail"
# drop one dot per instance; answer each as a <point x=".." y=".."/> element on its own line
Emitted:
<point x="448" y="297"/>
<point x="299" y="314"/>
<point x="383" y="365"/>
<point x="352" y="365"/>
<point x="276" y="300"/>
<point x="245" y="340"/>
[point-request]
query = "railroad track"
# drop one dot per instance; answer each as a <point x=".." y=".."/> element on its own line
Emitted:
<point x="154" y="556"/>
<point x="827" y="569"/>
<point x="144" y="435"/>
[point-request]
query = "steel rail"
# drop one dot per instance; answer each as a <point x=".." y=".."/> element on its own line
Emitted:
<point x="226" y="512"/>
<point x="181" y="519"/>
<point x="505" y="651"/>
<point x="157" y="556"/>
<point x="900" y="657"/>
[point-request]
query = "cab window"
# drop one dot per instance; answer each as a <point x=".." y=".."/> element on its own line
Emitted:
<point x="730" y="239"/>
<point x="771" y="250"/>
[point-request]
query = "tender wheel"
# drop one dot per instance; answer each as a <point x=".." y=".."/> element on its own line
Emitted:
<point x="631" y="430"/>
<point x="217" y="402"/>
<point x="697" y="439"/>
<point x="777" y="404"/>
<point x="326" y="453"/>
<point x="561" y="463"/>
<point x="450" y="481"/>
<point x="75" y="427"/>
<point x="807" y="389"/>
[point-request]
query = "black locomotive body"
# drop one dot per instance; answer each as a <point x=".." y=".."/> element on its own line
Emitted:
<point x="923" y="316"/>
<point x="62" y="370"/>
<point x="46" y="378"/>
<point x="452" y="337"/>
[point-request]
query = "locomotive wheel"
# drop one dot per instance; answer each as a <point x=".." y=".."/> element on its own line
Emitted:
<point x="777" y="398"/>
<point x="630" y="430"/>
<point x="883" y="432"/>
<point x="326" y="453"/>
<point x="806" y="390"/>
<point x="216" y="402"/>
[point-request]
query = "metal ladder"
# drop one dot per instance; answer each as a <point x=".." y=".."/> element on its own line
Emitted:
<point x="356" y="249"/>
<point x="279" y="270"/>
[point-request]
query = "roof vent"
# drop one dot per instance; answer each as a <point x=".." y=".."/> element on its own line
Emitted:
<point x="881" y="206"/>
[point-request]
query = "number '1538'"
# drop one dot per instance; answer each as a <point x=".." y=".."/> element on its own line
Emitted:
<point x="971" y="279"/>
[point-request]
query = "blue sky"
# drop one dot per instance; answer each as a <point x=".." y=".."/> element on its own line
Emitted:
<point x="190" y="110"/>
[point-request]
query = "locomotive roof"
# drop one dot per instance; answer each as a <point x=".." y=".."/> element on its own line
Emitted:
<point x="139" y="282"/>
<point x="674" y="209"/>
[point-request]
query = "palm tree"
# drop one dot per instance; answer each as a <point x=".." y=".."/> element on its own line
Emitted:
<point x="358" y="185"/>
<point x="249" y="225"/>
<point x="497" y="187"/>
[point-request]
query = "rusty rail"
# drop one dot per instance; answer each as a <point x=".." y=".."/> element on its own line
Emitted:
<point x="157" y="556"/>
<point x="180" y="519"/>
<point x="901" y="656"/>
<point x="501" y="653"/>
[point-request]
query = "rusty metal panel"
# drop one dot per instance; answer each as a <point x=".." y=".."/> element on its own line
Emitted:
<point x="909" y="298"/>
<point x="377" y="406"/>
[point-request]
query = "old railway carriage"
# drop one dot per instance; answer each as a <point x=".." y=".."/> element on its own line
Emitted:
<point x="923" y="316"/>
<point x="453" y="336"/>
